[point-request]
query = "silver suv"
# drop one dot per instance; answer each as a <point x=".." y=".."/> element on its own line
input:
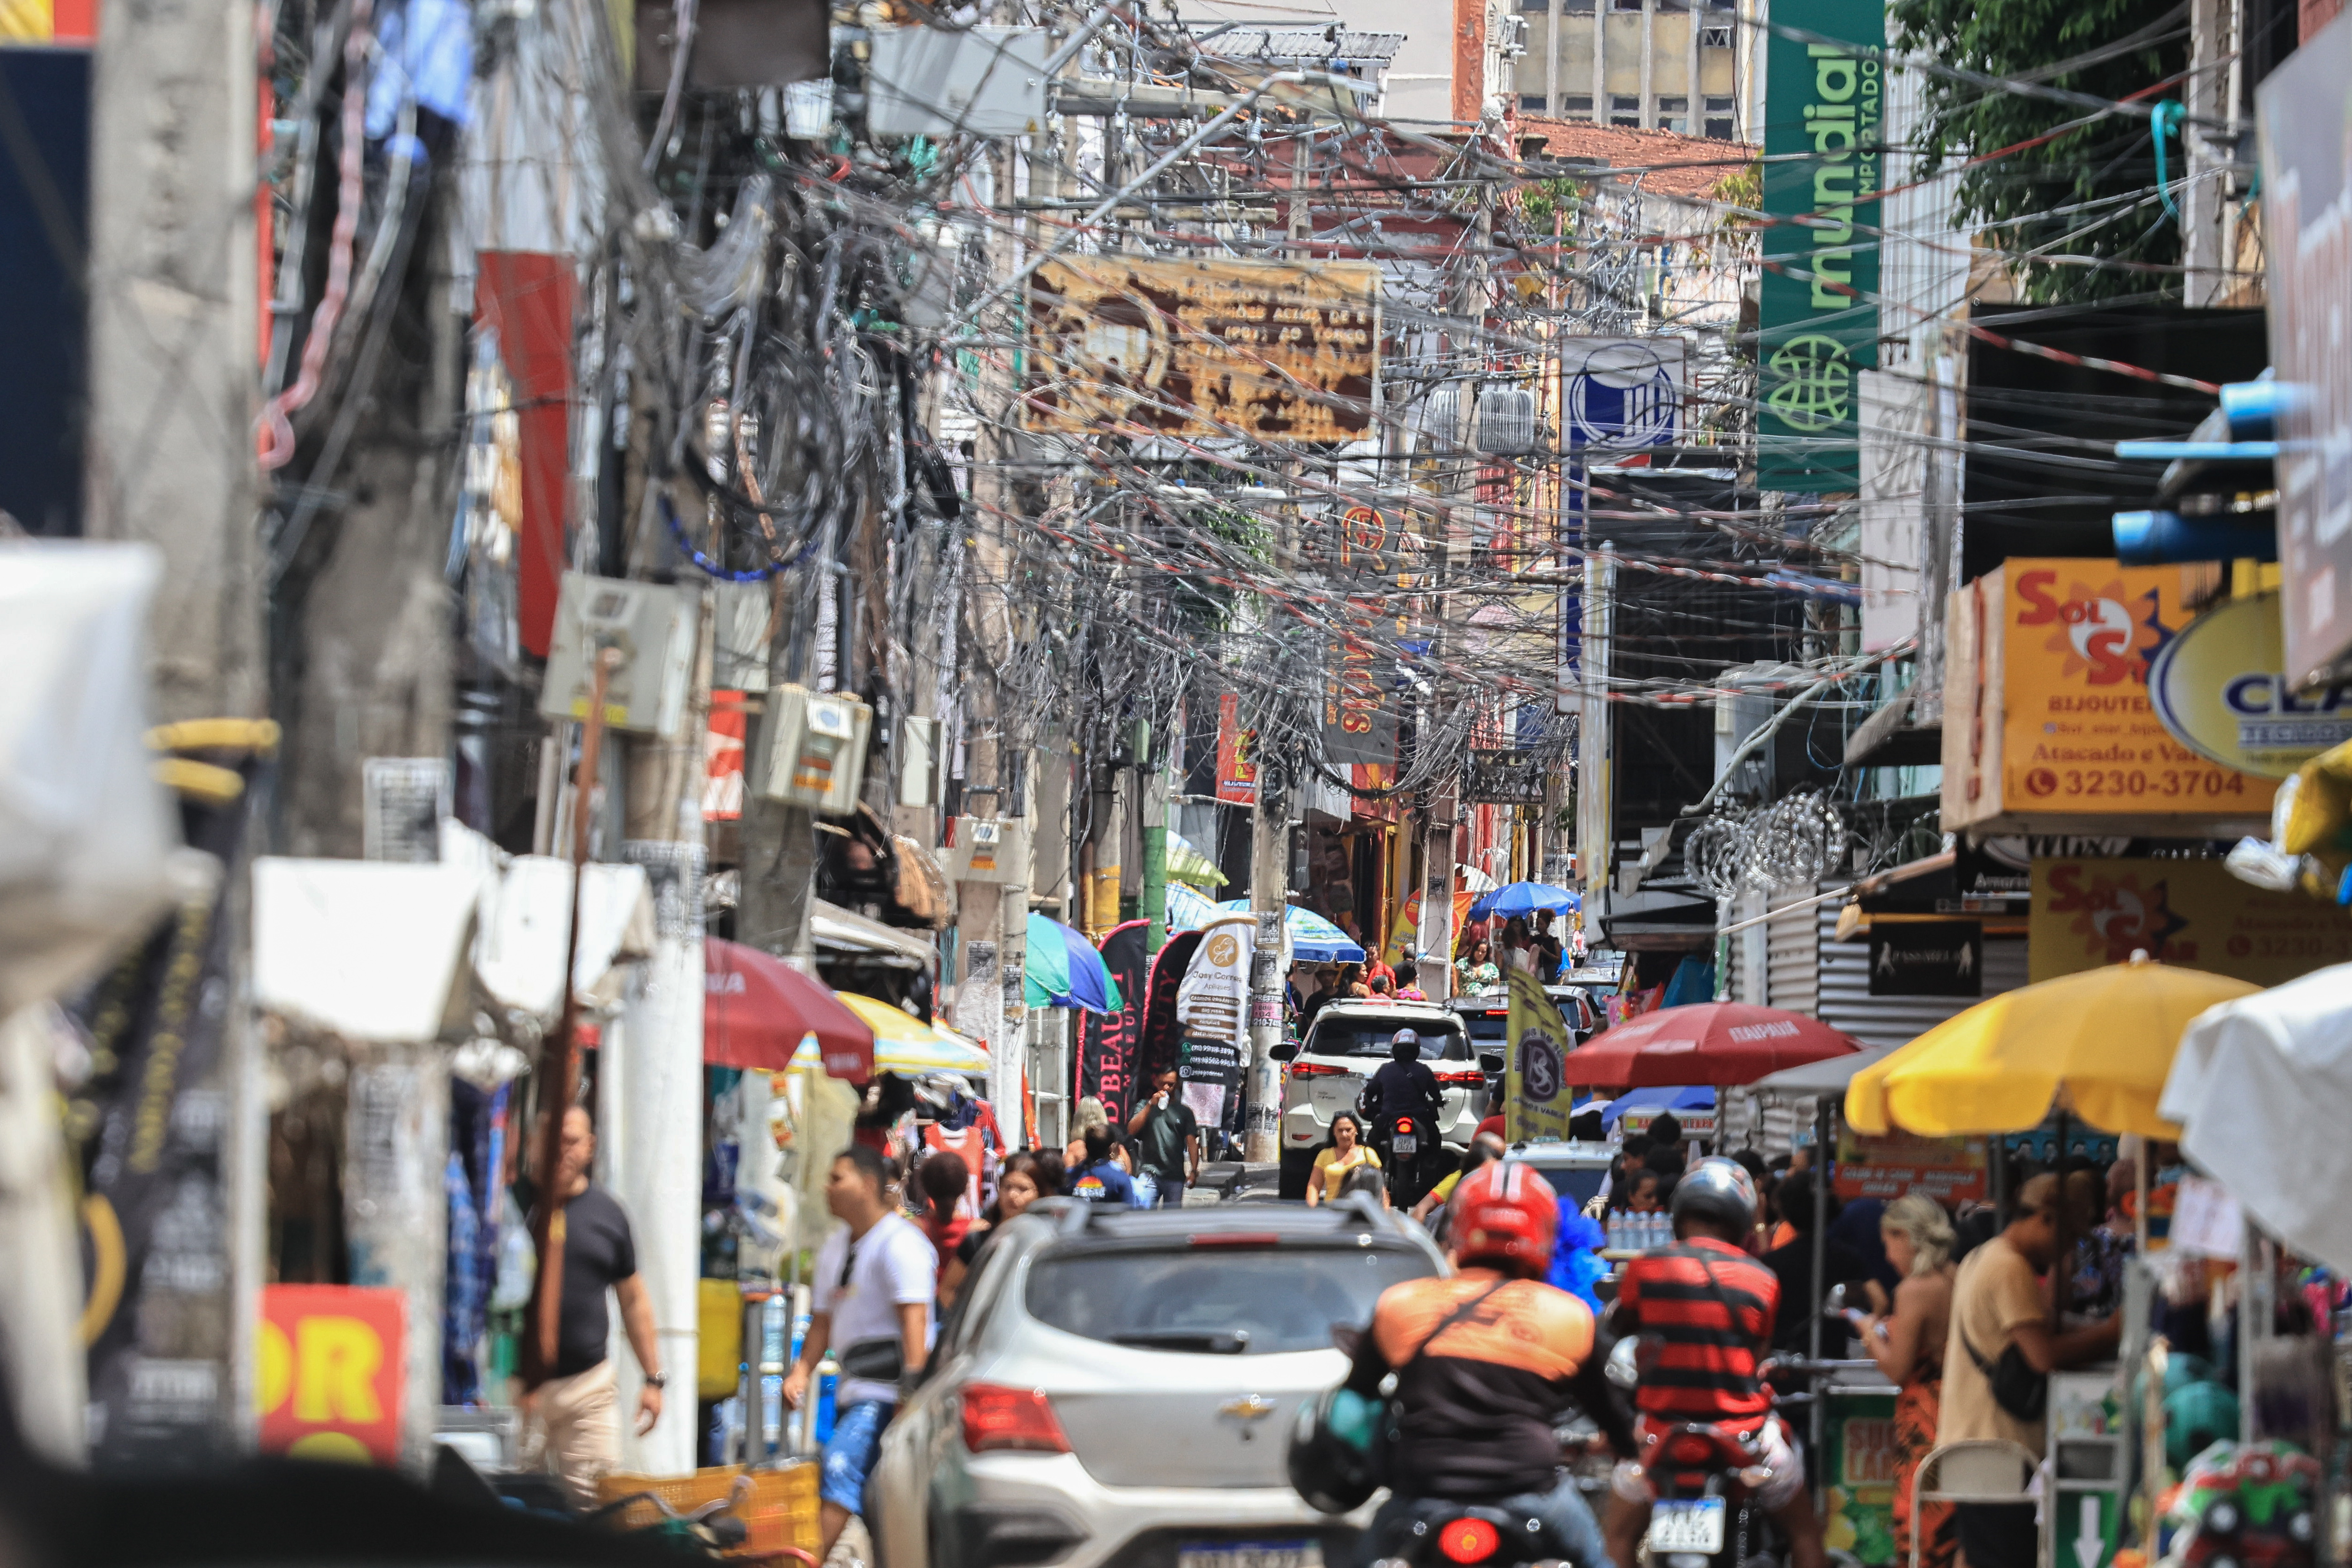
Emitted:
<point x="1344" y="1046"/>
<point x="1119" y="1384"/>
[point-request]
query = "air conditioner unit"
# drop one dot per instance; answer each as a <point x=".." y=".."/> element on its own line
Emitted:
<point x="918" y="762"/>
<point x="815" y="751"/>
<point x="653" y="626"/>
<point x="1507" y="422"/>
<point x="989" y="849"/>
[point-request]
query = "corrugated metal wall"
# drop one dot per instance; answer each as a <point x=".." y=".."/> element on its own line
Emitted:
<point x="1792" y="981"/>
<point x="1844" y="1001"/>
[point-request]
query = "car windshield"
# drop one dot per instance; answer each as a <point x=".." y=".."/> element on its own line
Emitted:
<point x="1217" y="1300"/>
<point x="1371" y="1036"/>
<point x="1488" y="1028"/>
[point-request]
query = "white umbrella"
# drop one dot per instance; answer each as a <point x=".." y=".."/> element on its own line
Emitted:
<point x="2262" y="1088"/>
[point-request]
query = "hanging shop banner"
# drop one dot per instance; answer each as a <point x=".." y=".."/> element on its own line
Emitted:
<point x="1362" y="556"/>
<point x="1503" y="777"/>
<point x="2087" y="913"/>
<point x="2308" y="215"/>
<point x="2049" y="661"/>
<point x="1236" y="754"/>
<point x="1818" y="320"/>
<point x="1926" y="958"/>
<point x="722" y="756"/>
<point x="2220" y="688"/>
<point x="159" y="1310"/>
<point x="1948" y="1169"/>
<point x="1212" y="1001"/>
<point x="1274" y="350"/>
<point x="327" y="1378"/>
<point x="1108" y="1043"/>
<point x="1536" y="1099"/>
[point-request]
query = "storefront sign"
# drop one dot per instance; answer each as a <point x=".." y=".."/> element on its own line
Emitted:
<point x="2308" y="215"/>
<point x="1819" y="309"/>
<point x="2048" y="725"/>
<point x="1504" y="778"/>
<point x="1363" y="556"/>
<point x="1926" y="958"/>
<point x="2087" y="913"/>
<point x="328" y="1375"/>
<point x="1946" y="1169"/>
<point x="1271" y="350"/>
<point x="1236" y="754"/>
<point x="1213" y="1001"/>
<point x="1537" y="1099"/>
<point x="2220" y="688"/>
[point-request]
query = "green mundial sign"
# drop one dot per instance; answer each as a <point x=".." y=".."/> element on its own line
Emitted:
<point x="1824" y="163"/>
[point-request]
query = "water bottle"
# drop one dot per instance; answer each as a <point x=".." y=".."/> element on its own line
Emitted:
<point x="1616" y="1230"/>
<point x="828" y="1386"/>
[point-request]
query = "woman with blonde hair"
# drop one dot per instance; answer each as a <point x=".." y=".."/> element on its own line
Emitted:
<point x="1908" y="1345"/>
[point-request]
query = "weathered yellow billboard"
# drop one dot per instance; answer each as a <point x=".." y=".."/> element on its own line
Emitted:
<point x="1274" y="350"/>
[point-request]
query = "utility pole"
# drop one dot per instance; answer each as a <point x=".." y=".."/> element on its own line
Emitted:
<point x="170" y="462"/>
<point x="1594" y="818"/>
<point x="656" y="1079"/>
<point x="1270" y="905"/>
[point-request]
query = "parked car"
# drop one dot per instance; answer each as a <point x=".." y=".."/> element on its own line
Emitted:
<point x="1343" y="1047"/>
<point x="1119" y="1385"/>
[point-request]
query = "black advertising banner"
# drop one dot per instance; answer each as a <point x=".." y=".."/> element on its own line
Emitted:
<point x="1109" y="1046"/>
<point x="1926" y="958"/>
<point x="1364" y="557"/>
<point x="1162" y="1033"/>
<point x="153" y="1122"/>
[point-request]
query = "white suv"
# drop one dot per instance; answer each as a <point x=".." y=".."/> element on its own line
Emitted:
<point x="1343" y="1047"/>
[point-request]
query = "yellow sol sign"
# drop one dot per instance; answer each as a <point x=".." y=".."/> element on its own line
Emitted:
<point x="2219" y="689"/>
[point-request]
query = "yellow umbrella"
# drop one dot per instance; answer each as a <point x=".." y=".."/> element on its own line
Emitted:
<point x="2104" y="1039"/>
<point x="905" y="1044"/>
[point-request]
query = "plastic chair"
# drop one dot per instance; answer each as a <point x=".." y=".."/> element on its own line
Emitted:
<point x="1984" y="1470"/>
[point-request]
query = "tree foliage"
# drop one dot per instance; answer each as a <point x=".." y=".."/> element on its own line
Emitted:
<point x="2089" y="192"/>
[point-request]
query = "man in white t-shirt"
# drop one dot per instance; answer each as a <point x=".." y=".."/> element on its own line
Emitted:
<point x="876" y="1279"/>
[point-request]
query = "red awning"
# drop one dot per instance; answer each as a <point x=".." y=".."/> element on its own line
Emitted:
<point x="756" y="1010"/>
<point x="1706" y="1043"/>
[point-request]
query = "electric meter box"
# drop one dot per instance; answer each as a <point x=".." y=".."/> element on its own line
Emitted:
<point x="989" y="849"/>
<point x="918" y="761"/>
<point x="653" y="626"/>
<point x="814" y="752"/>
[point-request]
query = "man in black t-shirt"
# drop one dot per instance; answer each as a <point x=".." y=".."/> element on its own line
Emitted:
<point x="1168" y="1140"/>
<point x="578" y="1408"/>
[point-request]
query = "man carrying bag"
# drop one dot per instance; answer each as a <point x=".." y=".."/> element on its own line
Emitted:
<point x="1998" y="1358"/>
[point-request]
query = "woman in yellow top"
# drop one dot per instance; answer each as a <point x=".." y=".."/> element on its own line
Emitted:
<point x="1346" y="1153"/>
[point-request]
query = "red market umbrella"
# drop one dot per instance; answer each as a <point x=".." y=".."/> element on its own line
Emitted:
<point x="1717" y="1043"/>
<point x="756" y="1010"/>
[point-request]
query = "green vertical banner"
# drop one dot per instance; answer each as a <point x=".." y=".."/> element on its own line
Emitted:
<point x="1823" y="163"/>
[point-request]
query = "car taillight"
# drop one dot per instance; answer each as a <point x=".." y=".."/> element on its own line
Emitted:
<point x="996" y="1418"/>
<point x="1690" y="1449"/>
<point x="1316" y="1070"/>
<point x="1468" y="1540"/>
<point x="1471" y="1077"/>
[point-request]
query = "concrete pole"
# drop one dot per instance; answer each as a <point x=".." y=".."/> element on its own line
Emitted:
<point x="170" y="461"/>
<point x="1154" y="807"/>
<point x="395" y="1213"/>
<point x="655" y="1162"/>
<point x="1270" y="904"/>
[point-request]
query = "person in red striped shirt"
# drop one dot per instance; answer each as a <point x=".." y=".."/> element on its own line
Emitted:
<point x="1707" y="1308"/>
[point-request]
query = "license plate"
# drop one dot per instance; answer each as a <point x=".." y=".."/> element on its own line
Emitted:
<point x="1407" y="1143"/>
<point x="1687" y="1524"/>
<point x="1252" y="1554"/>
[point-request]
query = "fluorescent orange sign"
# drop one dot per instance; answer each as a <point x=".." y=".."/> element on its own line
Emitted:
<point x="328" y="1375"/>
<point x="2082" y="734"/>
<point x="2087" y="913"/>
<point x="1236" y="754"/>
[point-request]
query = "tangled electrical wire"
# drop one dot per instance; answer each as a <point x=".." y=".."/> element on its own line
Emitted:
<point x="1793" y="842"/>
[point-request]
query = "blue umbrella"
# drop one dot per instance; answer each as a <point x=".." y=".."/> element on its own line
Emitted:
<point x="1525" y="899"/>
<point x="1312" y="938"/>
<point x="1062" y="969"/>
<point x="1657" y="1100"/>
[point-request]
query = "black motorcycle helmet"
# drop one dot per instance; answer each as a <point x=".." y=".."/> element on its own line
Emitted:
<point x="1719" y="1191"/>
<point x="1336" y="1467"/>
<point x="1404" y="1046"/>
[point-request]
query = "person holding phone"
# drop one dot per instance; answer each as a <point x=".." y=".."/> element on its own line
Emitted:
<point x="1907" y="1343"/>
<point x="1168" y="1140"/>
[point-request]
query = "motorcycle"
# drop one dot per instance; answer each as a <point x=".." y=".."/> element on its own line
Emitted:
<point x="1704" y="1477"/>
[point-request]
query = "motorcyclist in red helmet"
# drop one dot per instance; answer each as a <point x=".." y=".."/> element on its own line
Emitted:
<point x="1486" y="1361"/>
